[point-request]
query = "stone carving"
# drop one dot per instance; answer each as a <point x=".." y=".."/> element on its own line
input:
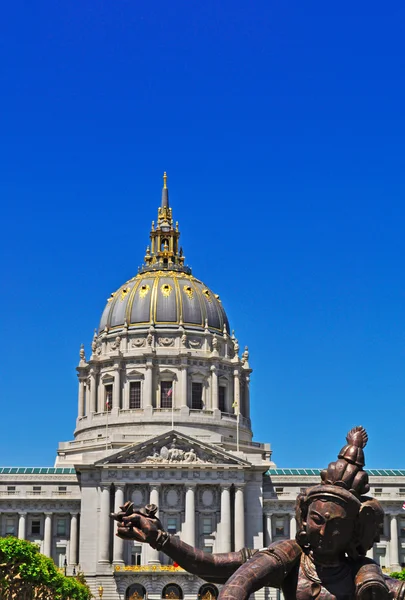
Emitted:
<point x="336" y="525"/>
<point x="82" y="354"/>
<point x="183" y="340"/>
<point x="116" y="344"/>
<point x="236" y="346"/>
<point x="98" y="351"/>
<point x="214" y="343"/>
<point x="94" y="342"/>
<point x="173" y="455"/>
<point x="166" y="341"/>
<point x="195" y="343"/>
<point x="245" y="355"/>
<point x="138" y="342"/>
<point x="179" y="451"/>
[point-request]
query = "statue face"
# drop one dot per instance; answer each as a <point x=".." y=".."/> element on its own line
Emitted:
<point x="329" y="529"/>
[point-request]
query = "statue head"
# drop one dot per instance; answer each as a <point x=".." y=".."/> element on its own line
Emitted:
<point x="334" y="518"/>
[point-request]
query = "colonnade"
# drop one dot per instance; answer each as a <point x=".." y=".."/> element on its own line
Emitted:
<point x="290" y="526"/>
<point x="188" y="534"/>
<point x="47" y="537"/>
<point x="92" y="400"/>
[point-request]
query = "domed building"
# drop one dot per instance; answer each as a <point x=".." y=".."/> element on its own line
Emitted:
<point x="163" y="357"/>
<point x="164" y="418"/>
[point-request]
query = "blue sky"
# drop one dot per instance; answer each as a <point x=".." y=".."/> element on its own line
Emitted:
<point x="281" y="126"/>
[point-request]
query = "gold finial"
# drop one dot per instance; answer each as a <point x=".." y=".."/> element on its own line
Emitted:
<point x="165" y="180"/>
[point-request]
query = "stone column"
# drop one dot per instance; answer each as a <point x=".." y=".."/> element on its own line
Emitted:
<point x="125" y="399"/>
<point x="154" y="499"/>
<point x="293" y="526"/>
<point x="394" y="557"/>
<point x="269" y="529"/>
<point x="117" y="387"/>
<point x="48" y="534"/>
<point x="80" y="411"/>
<point x="93" y="392"/>
<point x="247" y="398"/>
<point x="189" y="520"/>
<point x="147" y="400"/>
<point x="104" y="524"/>
<point x="225" y="526"/>
<point x="118" y="551"/>
<point x="73" y="540"/>
<point x="184" y="386"/>
<point x="214" y="388"/>
<point x="22" y="517"/>
<point x="236" y="392"/>
<point x="239" y="518"/>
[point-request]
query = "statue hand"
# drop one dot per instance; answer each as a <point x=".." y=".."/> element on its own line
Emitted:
<point x="141" y="525"/>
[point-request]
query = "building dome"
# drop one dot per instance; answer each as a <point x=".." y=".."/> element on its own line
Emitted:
<point x="163" y="298"/>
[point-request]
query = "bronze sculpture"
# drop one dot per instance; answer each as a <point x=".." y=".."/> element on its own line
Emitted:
<point x="337" y="524"/>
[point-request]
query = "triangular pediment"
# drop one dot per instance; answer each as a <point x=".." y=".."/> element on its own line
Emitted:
<point x="174" y="449"/>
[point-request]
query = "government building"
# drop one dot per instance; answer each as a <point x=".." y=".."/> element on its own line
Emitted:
<point x="164" y="418"/>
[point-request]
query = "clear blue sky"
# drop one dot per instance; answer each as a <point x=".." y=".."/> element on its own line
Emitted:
<point x="281" y="126"/>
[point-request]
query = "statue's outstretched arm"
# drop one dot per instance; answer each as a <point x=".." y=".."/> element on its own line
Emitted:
<point x="215" y="568"/>
<point x="143" y="525"/>
<point x="267" y="567"/>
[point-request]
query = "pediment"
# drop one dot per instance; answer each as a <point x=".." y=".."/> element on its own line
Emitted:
<point x="175" y="449"/>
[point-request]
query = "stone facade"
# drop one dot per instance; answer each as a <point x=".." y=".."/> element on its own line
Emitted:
<point x="164" y="418"/>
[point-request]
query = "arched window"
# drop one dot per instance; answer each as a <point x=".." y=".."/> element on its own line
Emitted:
<point x="172" y="591"/>
<point x="207" y="592"/>
<point x="136" y="591"/>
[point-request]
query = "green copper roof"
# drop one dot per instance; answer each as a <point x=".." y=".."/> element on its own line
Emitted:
<point x="373" y="472"/>
<point x="37" y="471"/>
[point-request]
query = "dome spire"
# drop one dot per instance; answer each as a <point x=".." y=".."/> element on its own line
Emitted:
<point x="164" y="251"/>
<point x="165" y="192"/>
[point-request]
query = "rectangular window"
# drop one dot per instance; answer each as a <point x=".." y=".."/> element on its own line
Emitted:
<point x="402" y="491"/>
<point x="279" y="491"/>
<point x="166" y="394"/>
<point x="402" y="528"/>
<point x="62" y="489"/>
<point x="380" y="557"/>
<point x="36" y="490"/>
<point x="207" y="549"/>
<point x="35" y="527"/>
<point x="136" y="556"/>
<point x="10" y="526"/>
<point x="172" y="525"/>
<point x="221" y="398"/>
<point x="279" y="527"/>
<point x="108" y="397"/>
<point x="61" y="527"/>
<point x="135" y="394"/>
<point x="207" y="525"/>
<point x="378" y="492"/>
<point x="11" y="489"/>
<point x="196" y="396"/>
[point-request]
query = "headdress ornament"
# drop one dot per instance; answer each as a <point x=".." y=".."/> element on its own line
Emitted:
<point x="345" y="478"/>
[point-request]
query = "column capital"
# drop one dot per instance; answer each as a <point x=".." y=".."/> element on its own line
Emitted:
<point x="226" y="486"/>
<point x="236" y="373"/>
<point x="74" y="513"/>
<point x="119" y="486"/>
<point x="240" y="486"/>
<point x="190" y="486"/>
<point x="48" y="513"/>
<point x="22" y="513"/>
<point x="155" y="486"/>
